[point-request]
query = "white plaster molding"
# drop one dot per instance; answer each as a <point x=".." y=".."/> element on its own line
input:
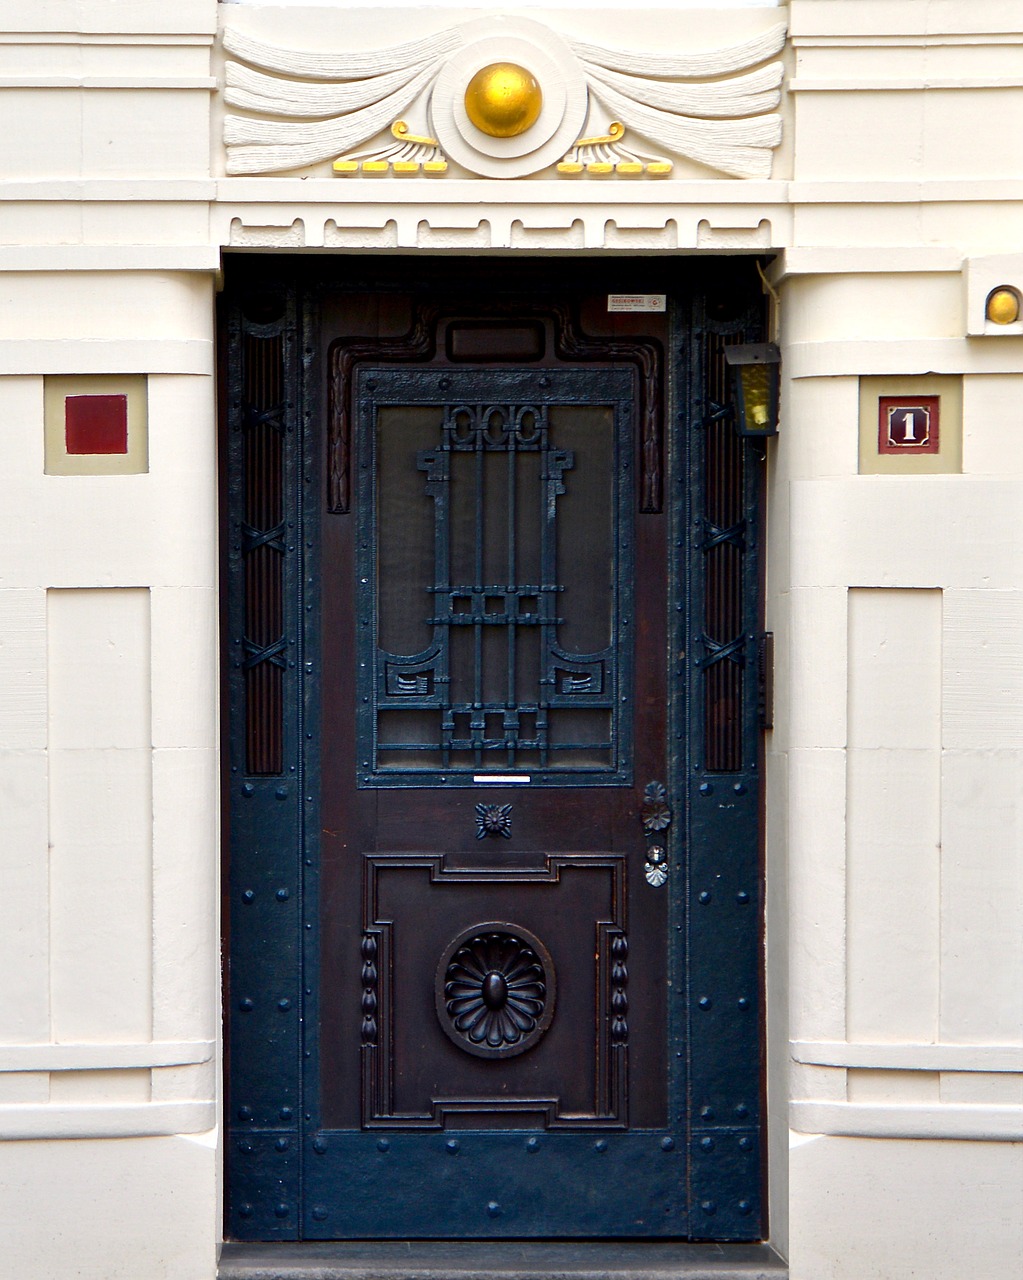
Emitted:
<point x="910" y="1057"/>
<point x="805" y="84"/>
<point x="207" y="83"/>
<point x="128" y="190"/>
<point x="104" y="1057"/>
<point x="873" y="260"/>
<point x="19" y="1122"/>
<point x="902" y="356"/>
<point x="20" y="356"/>
<point x="978" y="1123"/>
<point x="709" y="107"/>
<point x="109" y="257"/>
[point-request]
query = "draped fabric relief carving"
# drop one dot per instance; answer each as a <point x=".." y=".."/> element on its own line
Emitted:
<point x="502" y="97"/>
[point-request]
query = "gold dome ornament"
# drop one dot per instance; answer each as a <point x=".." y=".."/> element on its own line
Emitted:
<point x="1003" y="305"/>
<point x="503" y="100"/>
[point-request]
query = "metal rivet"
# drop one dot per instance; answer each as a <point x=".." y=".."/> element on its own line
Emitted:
<point x="667" y="1144"/>
<point x="705" y="897"/>
<point x="282" y="1144"/>
<point x="706" y="1113"/>
<point x="285" y="1113"/>
<point x="248" y="896"/>
<point x="245" y="1210"/>
<point x="248" y="789"/>
<point x="494" y="1209"/>
<point x="742" y="1111"/>
<point x="284" y="1005"/>
<point x="743" y="1002"/>
<point x="246" y="1147"/>
<point x="244" y="1113"/>
<point x="708" y="1206"/>
<point x="706" y="789"/>
<point x="532" y="1144"/>
<point x="742" y="896"/>
<point x="384" y="1144"/>
<point x="452" y="1145"/>
<point x="600" y="1145"/>
<point x="282" y="1211"/>
<point x="707" y="1144"/>
<point x="745" y="1208"/>
<point x="704" y="1002"/>
<point x="319" y="1213"/>
<point x="246" y="1005"/>
<point x="740" y="788"/>
<point x="283" y="895"/>
<point x="745" y="1143"/>
<point x="281" y="793"/>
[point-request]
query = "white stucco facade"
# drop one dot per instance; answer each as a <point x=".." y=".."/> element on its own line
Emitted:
<point x="892" y="207"/>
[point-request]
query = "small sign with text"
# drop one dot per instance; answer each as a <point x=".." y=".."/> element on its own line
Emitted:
<point x="637" y="302"/>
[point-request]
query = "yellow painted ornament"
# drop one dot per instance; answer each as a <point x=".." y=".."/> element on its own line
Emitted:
<point x="503" y="100"/>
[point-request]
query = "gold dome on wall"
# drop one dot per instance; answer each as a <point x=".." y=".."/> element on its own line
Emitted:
<point x="503" y="100"/>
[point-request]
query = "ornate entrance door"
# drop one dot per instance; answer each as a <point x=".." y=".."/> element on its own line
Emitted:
<point x="461" y="986"/>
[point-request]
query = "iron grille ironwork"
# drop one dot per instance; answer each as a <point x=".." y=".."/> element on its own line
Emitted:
<point x="262" y="545"/>
<point x="495" y="686"/>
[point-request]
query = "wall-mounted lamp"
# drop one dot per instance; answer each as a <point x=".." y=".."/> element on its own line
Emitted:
<point x="756" y="373"/>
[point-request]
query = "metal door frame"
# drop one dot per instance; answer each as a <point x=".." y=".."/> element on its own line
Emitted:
<point x="270" y="899"/>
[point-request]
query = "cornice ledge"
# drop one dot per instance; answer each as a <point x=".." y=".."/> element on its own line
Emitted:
<point x="423" y="192"/>
<point x="956" y="1121"/>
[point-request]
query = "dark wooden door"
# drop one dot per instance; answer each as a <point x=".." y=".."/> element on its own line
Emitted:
<point x="490" y="952"/>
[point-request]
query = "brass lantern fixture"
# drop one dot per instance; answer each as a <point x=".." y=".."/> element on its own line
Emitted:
<point x="756" y="376"/>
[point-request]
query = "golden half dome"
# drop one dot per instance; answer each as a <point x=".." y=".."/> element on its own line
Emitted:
<point x="503" y="100"/>
<point x="1003" y="306"/>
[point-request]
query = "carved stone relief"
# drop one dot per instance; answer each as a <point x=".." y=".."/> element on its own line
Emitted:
<point x="502" y="98"/>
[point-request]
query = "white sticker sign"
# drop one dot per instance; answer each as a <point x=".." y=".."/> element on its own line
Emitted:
<point x="637" y="301"/>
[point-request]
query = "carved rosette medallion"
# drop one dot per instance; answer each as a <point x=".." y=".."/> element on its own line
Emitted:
<point x="495" y="990"/>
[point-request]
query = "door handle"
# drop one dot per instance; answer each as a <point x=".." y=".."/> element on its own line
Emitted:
<point x="657" y="815"/>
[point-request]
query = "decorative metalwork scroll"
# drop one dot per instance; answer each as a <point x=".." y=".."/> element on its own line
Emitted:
<point x="419" y="344"/>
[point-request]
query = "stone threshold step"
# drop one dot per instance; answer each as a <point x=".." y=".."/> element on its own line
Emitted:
<point x="507" y="1260"/>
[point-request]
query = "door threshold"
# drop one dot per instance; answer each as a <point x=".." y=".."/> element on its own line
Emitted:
<point x="504" y="1260"/>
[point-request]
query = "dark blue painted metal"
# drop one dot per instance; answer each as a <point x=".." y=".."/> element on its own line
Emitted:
<point x="264" y="898"/>
<point x="723" y="908"/>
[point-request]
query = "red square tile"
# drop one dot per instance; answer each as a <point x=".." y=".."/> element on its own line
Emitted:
<point x="96" y="424"/>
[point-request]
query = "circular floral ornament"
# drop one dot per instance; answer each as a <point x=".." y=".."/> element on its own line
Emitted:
<point x="495" y="990"/>
<point x="538" y="53"/>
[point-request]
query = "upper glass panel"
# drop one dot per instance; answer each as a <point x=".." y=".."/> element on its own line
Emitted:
<point x="495" y="607"/>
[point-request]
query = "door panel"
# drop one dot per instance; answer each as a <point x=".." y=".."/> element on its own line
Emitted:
<point x="489" y="851"/>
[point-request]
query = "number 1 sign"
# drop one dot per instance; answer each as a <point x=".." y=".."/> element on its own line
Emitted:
<point x="908" y="424"/>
